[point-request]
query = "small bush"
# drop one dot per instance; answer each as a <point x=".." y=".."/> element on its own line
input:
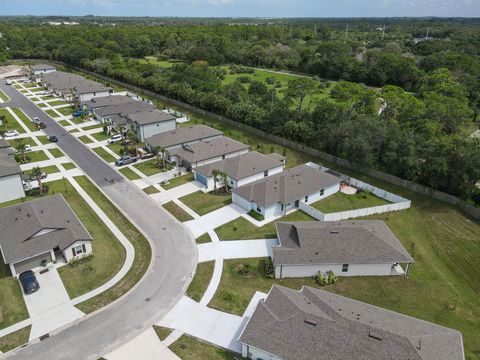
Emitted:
<point x="270" y="80"/>
<point x="268" y="268"/>
<point x="244" y="79"/>
<point x="326" y="279"/>
<point x="244" y="269"/>
<point x="256" y="215"/>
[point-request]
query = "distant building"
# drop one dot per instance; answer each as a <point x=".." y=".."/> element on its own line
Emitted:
<point x="39" y="70"/>
<point x="311" y="324"/>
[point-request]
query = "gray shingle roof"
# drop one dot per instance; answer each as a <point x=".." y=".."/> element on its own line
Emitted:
<point x="64" y="82"/>
<point x="43" y="67"/>
<point x="277" y="156"/>
<point x="19" y="223"/>
<point x="315" y="324"/>
<point x="124" y="108"/>
<point x="338" y="242"/>
<point x="99" y="102"/>
<point x="208" y="149"/>
<point x="8" y="165"/>
<point x="4" y="144"/>
<point x="286" y="187"/>
<point x="150" y="117"/>
<point x="241" y="166"/>
<point x="183" y="136"/>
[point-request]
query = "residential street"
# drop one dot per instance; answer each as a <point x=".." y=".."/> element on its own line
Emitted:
<point x="174" y="258"/>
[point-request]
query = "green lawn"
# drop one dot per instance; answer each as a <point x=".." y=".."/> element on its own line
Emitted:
<point x="88" y="274"/>
<point x="202" y="239"/>
<point x="161" y="63"/>
<point x="66" y="111"/>
<point x="12" y="306"/>
<point x="25" y="140"/>
<point x="189" y="348"/>
<point x="85" y="139"/>
<point x="203" y="203"/>
<point x="10" y="122"/>
<point x="342" y="202"/>
<point x="3" y="96"/>
<point x="66" y="123"/>
<point x="177" y="211"/>
<point x="52" y="113"/>
<point x="35" y="90"/>
<point x="57" y="102"/>
<point x="177" y="181"/>
<point x="68" y="165"/>
<point x="52" y="169"/>
<point x="150" y="190"/>
<point x="241" y="229"/>
<point x="41" y="105"/>
<point x="200" y="281"/>
<point x="43" y="139"/>
<point x="162" y="332"/>
<point x="139" y="242"/>
<point x="90" y="127"/>
<point x="129" y="173"/>
<point x="100" y="136"/>
<point x="104" y="154"/>
<point x="25" y="119"/>
<point x="56" y="152"/>
<point x="33" y="156"/>
<point x="15" y="339"/>
<point x="149" y="167"/>
<point x="116" y="148"/>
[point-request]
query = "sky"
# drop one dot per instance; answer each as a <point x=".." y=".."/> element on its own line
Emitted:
<point x="244" y="8"/>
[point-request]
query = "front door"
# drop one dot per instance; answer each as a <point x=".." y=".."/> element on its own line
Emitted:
<point x="297" y="203"/>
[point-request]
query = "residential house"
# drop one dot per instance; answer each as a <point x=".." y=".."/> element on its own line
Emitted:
<point x="102" y="102"/>
<point x="240" y="170"/>
<point x="277" y="194"/>
<point x="11" y="186"/>
<point x="348" y="248"/>
<point x="115" y="114"/>
<point x="70" y="85"/>
<point x="39" y="70"/>
<point x="37" y="232"/>
<point x="183" y="136"/>
<point x="150" y="122"/>
<point x="206" y="152"/>
<point x="311" y="324"/>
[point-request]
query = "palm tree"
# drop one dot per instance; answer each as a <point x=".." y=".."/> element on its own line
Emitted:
<point x="132" y="136"/>
<point x="2" y="133"/>
<point x="20" y="147"/>
<point x="37" y="173"/>
<point x="224" y="176"/>
<point x="215" y="173"/>
<point x="158" y="150"/>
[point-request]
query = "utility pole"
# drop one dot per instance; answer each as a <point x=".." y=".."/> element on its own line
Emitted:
<point x="346" y="34"/>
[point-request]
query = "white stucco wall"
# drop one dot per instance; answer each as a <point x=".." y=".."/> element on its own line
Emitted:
<point x="68" y="251"/>
<point x="285" y="271"/>
<point x="257" y="354"/>
<point x="11" y="188"/>
<point x="90" y="96"/>
<point x="258" y="176"/>
<point x="145" y="131"/>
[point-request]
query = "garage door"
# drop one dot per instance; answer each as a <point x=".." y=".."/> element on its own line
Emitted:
<point x="32" y="262"/>
<point x="201" y="179"/>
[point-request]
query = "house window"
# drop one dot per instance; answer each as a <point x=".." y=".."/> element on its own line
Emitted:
<point x="322" y="192"/>
<point x="259" y="210"/>
<point x="281" y="208"/>
<point x="223" y="157"/>
<point x="265" y="173"/>
<point x="306" y="198"/>
<point x="79" y="249"/>
<point x="345" y="268"/>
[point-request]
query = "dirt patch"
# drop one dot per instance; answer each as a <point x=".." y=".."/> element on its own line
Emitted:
<point x="12" y="70"/>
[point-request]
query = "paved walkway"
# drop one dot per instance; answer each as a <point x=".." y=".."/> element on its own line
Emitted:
<point x="50" y="307"/>
<point x="214" y="219"/>
<point x="236" y="249"/>
<point x="146" y="346"/>
<point x="177" y="192"/>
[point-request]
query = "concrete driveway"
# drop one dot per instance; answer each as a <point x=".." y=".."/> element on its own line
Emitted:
<point x="50" y="307"/>
<point x="177" y="192"/>
<point x="236" y="249"/>
<point x="214" y="219"/>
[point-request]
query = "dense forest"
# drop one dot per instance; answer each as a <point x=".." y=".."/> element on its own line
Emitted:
<point x="378" y="92"/>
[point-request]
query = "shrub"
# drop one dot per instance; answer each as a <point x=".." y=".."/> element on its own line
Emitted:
<point x="321" y="279"/>
<point x="270" y="80"/>
<point x="268" y="268"/>
<point x="332" y="278"/>
<point x="244" y="269"/>
<point x="326" y="279"/>
<point x="256" y="215"/>
<point x="244" y="79"/>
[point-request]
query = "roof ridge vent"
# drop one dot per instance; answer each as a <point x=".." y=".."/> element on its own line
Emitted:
<point x="334" y="231"/>
<point x="375" y="335"/>
<point x="311" y="320"/>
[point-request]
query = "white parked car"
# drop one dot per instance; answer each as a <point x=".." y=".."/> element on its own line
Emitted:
<point x="8" y="82"/>
<point x="27" y="148"/>
<point x="11" y="133"/>
<point x="114" y="139"/>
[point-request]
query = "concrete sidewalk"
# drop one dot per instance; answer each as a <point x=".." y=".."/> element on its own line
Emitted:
<point x="177" y="192"/>
<point x="236" y="249"/>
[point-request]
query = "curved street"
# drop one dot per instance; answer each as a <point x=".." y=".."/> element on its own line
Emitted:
<point x="174" y="259"/>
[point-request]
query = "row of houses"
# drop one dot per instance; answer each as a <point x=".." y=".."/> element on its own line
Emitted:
<point x="10" y="174"/>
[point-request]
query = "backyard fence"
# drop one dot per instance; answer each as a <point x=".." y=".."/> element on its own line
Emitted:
<point x="406" y="184"/>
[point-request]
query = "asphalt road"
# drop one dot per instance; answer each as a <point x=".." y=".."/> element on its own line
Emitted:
<point x="174" y="259"/>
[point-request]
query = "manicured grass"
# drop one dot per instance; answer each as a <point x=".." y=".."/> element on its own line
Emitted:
<point x="68" y="165"/>
<point x="19" y="112"/>
<point x="66" y="123"/>
<point x="149" y="167"/>
<point x="200" y="281"/>
<point x="150" y="190"/>
<point x="100" y="136"/>
<point x="15" y="339"/>
<point x="43" y="139"/>
<point x="73" y="131"/>
<point x="33" y="156"/>
<point x="189" y="348"/>
<point x="10" y="123"/>
<point x="35" y="90"/>
<point x="66" y="111"/>
<point x="177" y="181"/>
<point x="12" y="306"/>
<point x="52" y="113"/>
<point x="177" y="211"/>
<point x="109" y="255"/>
<point x="90" y="127"/>
<point x="46" y="97"/>
<point x="116" y="148"/>
<point x="56" y="152"/>
<point x="25" y="140"/>
<point x="129" y="173"/>
<point x="203" y="203"/>
<point x="162" y="332"/>
<point x="40" y="105"/>
<point x="3" y="96"/>
<point x="85" y="139"/>
<point x="75" y="120"/>
<point x="57" y="103"/>
<point x="241" y="229"/>
<point x="34" y="99"/>
<point x="104" y="154"/>
<point x="52" y="169"/>
<point x="139" y="242"/>
<point x="342" y="202"/>
<point x="202" y="239"/>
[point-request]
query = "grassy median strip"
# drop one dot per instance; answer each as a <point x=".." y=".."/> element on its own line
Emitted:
<point x="162" y="332"/>
<point x="200" y="282"/>
<point x="140" y="243"/>
<point x="104" y="154"/>
<point x="129" y="173"/>
<point x="28" y="123"/>
<point x="177" y="211"/>
<point x="189" y="348"/>
<point x="15" y="339"/>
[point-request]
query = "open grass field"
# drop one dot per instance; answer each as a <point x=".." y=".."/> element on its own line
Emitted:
<point x="342" y="202"/>
<point x="90" y="127"/>
<point x="139" y="242"/>
<point x="162" y="332"/>
<point x="241" y="229"/>
<point x="9" y="122"/>
<point x="129" y="173"/>
<point x="43" y="139"/>
<point x="65" y="110"/>
<point x="200" y="281"/>
<point x="177" y="181"/>
<point x="203" y="203"/>
<point x="177" y="211"/>
<point x="189" y="348"/>
<point x="116" y="148"/>
<point x="66" y="123"/>
<point x="104" y="154"/>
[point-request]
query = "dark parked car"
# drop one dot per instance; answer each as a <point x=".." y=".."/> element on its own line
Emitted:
<point x="29" y="282"/>
<point x="124" y="160"/>
<point x="41" y="125"/>
<point x="53" y="138"/>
